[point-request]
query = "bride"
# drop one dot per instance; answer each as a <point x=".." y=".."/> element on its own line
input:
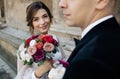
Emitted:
<point x="38" y="19"/>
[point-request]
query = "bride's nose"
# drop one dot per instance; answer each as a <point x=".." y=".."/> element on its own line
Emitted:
<point x="41" y="21"/>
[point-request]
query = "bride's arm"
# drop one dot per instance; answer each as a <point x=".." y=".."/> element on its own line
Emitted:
<point x="23" y="71"/>
<point x="42" y="69"/>
<point x="29" y="72"/>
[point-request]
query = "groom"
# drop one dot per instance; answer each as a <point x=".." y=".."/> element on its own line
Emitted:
<point x="97" y="55"/>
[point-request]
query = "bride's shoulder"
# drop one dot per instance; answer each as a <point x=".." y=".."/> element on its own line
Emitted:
<point x="21" y="47"/>
<point x="55" y="37"/>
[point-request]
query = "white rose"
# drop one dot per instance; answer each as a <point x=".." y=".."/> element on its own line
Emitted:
<point x="24" y="55"/>
<point x="28" y="57"/>
<point x="32" y="42"/>
<point x="57" y="73"/>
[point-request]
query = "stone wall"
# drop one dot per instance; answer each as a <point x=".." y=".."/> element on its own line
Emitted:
<point x="117" y="11"/>
<point x="15" y="12"/>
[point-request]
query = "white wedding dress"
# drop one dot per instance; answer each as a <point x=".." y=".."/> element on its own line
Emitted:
<point x="27" y="72"/>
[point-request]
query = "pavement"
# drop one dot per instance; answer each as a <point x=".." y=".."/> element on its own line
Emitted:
<point x="5" y="71"/>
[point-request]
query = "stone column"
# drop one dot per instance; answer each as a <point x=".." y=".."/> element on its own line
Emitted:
<point x="117" y="11"/>
<point x="57" y="13"/>
<point x="0" y="9"/>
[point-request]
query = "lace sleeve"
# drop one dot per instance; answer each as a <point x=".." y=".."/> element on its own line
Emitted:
<point x="24" y="71"/>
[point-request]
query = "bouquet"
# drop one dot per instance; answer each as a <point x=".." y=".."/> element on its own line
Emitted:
<point x="38" y="48"/>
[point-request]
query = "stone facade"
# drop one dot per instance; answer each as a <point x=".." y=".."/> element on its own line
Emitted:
<point x="117" y="11"/>
<point x="15" y="12"/>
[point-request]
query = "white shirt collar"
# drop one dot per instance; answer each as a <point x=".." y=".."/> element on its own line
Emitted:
<point x="89" y="27"/>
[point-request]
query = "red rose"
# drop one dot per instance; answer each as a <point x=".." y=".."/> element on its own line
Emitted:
<point x="48" y="38"/>
<point x="39" y="45"/>
<point x="40" y="37"/>
<point x="28" y="41"/>
<point x="39" y="55"/>
<point x="55" y="42"/>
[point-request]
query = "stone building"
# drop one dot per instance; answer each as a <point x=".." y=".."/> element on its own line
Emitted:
<point x="13" y="27"/>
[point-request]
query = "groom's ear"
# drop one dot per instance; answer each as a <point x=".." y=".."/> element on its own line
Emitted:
<point x="101" y="4"/>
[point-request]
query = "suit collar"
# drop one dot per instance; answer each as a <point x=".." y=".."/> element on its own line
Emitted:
<point x="106" y="26"/>
<point x="90" y="26"/>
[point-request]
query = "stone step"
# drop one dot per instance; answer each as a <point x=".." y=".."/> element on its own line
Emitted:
<point x="5" y="71"/>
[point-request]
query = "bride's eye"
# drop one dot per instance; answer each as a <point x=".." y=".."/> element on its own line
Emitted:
<point x="45" y="16"/>
<point x="35" y="19"/>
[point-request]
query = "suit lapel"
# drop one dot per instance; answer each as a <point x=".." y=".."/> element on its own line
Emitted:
<point x="108" y="25"/>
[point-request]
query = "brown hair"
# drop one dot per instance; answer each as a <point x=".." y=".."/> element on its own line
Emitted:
<point x="32" y="9"/>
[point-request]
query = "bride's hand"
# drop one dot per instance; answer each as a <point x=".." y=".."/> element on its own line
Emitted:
<point x="42" y="69"/>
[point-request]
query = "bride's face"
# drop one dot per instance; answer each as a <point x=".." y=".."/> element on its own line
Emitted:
<point x="41" y="21"/>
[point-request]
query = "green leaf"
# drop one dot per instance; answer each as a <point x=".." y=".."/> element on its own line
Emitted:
<point x="31" y="62"/>
<point x="55" y="50"/>
<point x="25" y="62"/>
<point x="28" y="63"/>
<point x="41" y="62"/>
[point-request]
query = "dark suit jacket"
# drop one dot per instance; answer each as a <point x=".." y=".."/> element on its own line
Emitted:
<point x="97" y="55"/>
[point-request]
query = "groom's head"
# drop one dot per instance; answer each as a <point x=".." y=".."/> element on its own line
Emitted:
<point x="84" y="12"/>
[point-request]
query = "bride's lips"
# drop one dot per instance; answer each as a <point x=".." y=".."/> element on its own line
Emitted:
<point x="44" y="27"/>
